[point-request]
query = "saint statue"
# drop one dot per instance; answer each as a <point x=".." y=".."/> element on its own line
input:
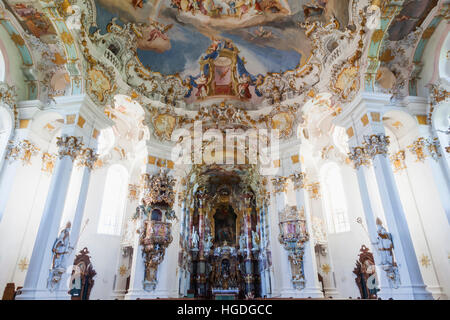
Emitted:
<point x="242" y="241"/>
<point x="385" y="244"/>
<point x="255" y="240"/>
<point x="61" y="247"/>
<point x="195" y="239"/>
<point x="141" y="210"/>
<point x="208" y="243"/>
<point x="170" y="215"/>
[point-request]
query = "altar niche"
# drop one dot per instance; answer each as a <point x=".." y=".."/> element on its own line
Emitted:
<point x="224" y="246"/>
<point x="225" y="226"/>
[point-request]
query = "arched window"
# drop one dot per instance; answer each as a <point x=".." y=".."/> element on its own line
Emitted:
<point x="2" y="67"/>
<point x="113" y="205"/>
<point x="334" y="199"/>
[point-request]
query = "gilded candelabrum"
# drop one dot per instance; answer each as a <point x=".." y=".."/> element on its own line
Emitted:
<point x="293" y="235"/>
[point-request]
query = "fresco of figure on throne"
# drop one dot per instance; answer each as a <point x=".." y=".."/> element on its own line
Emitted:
<point x="223" y="73"/>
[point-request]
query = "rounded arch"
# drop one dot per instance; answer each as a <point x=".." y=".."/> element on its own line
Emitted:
<point x="46" y="125"/>
<point x="400" y="123"/>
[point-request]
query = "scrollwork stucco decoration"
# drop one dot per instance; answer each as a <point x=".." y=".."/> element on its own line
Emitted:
<point x="100" y="83"/>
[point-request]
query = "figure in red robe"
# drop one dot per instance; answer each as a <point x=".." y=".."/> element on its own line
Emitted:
<point x="244" y="87"/>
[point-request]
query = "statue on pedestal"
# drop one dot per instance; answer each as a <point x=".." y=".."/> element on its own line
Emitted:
<point x="385" y="244"/>
<point x="386" y="248"/>
<point x="61" y="247"/>
<point x="255" y="240"/>
<point x="242" y="241"/>
<point x="195" y="239"/>
<point x="208" y="243"/>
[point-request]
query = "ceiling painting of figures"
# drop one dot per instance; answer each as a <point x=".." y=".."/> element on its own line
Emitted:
<point x="411" y="16"/>
<point x="32" y="19"/>
<point x="221" y="47"/>
<point x="265" y="31"/>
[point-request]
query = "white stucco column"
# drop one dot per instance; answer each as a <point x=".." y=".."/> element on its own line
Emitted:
<point x="167" y="281"/>
<point x="315" y="207"/>
<point x="312" y="285"/>
<point x="385" y="290"/>
<point x="136" y="289"/>
<point x="439" y="167"/>
<point x="412" y="285"/>
<point x="86" y="160"/>
<point x="9" y="169"/>
<point x="137" y="273"/>
<point x="363" y="120"/>
<point x="35" y="286"/>
<point x="283" y="286"/>
<point x="83" y="120"/>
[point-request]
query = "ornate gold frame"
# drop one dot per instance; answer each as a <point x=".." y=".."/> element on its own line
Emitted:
<point x="210" y="87"/>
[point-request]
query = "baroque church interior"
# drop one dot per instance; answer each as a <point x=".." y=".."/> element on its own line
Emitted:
<point x="224" y="149"/>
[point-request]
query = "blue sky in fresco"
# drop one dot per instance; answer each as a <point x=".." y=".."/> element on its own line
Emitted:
<point x="188" y="45"/>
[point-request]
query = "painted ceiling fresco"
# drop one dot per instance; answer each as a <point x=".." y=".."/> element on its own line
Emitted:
<point x="411" y="16"/>
<point x="255" y="53"/>
<point x="265" y="32"/>
<point x="32" y="19"/>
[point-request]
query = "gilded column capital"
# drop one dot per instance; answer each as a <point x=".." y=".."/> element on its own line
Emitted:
<point x="87" y="158"/>
<point x="299" y="180"/>
<point x="279" y="184"/>
<point x="21" y="150"/>
<point x="376" y="144"/>
<point x="359" y="157"/>
<point x="69" y="146"/>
